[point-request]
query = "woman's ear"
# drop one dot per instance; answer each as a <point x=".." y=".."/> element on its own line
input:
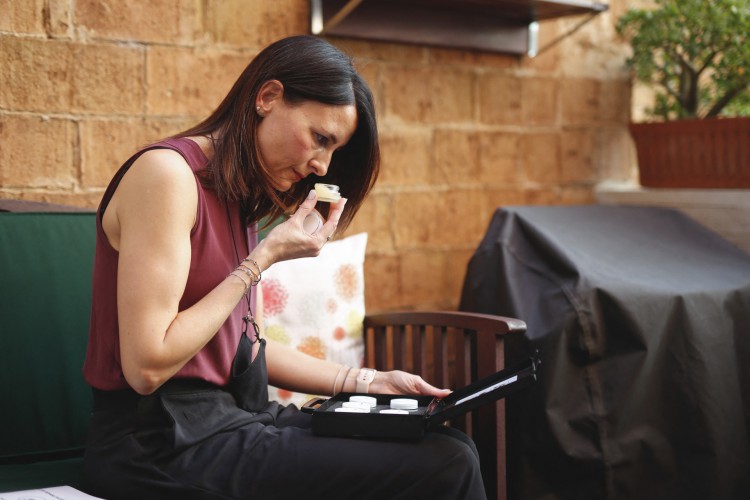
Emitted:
<point x="270" y="92"/>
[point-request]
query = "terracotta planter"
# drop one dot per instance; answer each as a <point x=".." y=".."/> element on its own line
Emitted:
<point x="712" y="153"/>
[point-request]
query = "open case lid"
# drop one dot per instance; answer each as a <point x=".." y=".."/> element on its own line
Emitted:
<point x="486" y="390"/>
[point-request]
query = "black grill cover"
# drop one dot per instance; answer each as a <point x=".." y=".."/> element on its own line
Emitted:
<point x="642" y="320"/>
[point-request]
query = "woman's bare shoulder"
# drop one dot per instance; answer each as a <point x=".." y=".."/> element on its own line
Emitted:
<point x="162" y="171"/>
<point x="159" y="187"/>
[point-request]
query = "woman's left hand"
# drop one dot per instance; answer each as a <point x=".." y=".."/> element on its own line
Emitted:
<point x="290" y="240"/>
<point x="399" y="382"/>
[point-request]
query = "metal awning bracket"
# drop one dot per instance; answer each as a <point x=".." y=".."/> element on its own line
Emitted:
<point x="318" y="24"/>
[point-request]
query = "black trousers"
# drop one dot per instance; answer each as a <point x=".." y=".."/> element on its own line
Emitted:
<point x="189" y="440"/>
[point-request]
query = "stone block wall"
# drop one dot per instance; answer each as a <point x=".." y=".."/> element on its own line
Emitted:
<point x="85" y="82"/>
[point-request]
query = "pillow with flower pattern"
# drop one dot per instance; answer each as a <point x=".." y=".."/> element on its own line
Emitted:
<point x="317" y="305"/>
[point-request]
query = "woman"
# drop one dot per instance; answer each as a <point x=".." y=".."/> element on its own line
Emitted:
<point x="176" y="360"/>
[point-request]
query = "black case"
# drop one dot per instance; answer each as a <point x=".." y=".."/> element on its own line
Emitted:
<point x="432" y="411"/>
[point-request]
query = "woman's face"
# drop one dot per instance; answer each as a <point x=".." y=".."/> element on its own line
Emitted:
<point x="296" y="140"/>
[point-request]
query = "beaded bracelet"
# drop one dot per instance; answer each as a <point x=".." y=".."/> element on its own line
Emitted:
<point x="239" y="277"/>
<point x="254" y="279"/>
<point x="254" y="264"/>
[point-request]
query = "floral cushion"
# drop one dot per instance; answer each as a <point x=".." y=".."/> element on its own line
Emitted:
<point x="317" y="305"/>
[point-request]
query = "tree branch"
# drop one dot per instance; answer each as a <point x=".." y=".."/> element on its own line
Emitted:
<point x="726" y="99"/>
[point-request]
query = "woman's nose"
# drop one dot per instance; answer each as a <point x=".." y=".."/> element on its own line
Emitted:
<point x="321" y="162"/>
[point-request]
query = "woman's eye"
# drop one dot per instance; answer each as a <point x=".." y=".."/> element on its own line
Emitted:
<point x="322" y="140"/>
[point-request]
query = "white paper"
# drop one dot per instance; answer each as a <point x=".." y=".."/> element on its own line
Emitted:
<point x="53" y="493"/>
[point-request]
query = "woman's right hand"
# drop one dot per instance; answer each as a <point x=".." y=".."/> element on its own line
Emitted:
<point x="289" y="240"/>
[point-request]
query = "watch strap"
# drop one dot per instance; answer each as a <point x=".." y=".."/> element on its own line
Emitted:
<point x="364" y="379"/>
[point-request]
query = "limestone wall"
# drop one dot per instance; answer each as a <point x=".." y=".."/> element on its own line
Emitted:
<point x="84" y="82"/>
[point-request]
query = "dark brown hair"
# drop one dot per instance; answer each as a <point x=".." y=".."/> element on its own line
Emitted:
<point x="310" y="69"/>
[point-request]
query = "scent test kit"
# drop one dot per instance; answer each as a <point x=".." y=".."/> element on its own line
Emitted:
<point x="408" y="417"/>
<point x="327" y="192"/>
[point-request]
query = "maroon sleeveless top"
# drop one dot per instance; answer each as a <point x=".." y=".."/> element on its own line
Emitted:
<point x="212" y="259"/>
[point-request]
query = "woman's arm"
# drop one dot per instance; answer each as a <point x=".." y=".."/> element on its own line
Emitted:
<point x="297" y="371"/>
<point x="149" y="221"/>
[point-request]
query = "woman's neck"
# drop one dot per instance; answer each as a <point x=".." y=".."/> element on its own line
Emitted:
<point x="206" y="143"/>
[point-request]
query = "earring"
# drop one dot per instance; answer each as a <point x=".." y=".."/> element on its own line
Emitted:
<point x="260" y="112"/>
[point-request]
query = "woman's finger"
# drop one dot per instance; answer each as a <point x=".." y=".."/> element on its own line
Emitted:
<point x="333" y="218"/>
<point x="305" y="207"/>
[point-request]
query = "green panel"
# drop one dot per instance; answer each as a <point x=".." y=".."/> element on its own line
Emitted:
<point x="45" y="295"/>
<point x="265" y="230"/>
<point x="41" y="475"/>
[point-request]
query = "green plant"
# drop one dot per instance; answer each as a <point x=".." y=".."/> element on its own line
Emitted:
<point x="694" y="53"/>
